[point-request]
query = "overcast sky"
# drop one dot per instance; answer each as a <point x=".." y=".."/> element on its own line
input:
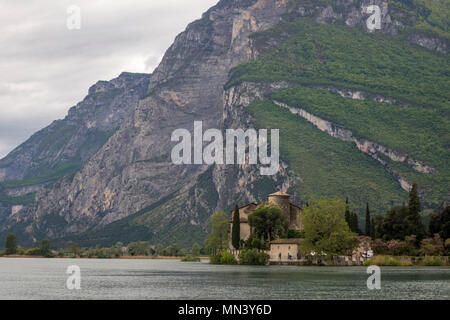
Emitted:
<point x="46" y="68"/>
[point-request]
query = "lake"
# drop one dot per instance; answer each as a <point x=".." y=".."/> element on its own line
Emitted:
<point x="173" y="279"/>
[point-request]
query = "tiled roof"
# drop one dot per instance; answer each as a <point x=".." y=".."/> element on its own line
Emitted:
<point x="280" y="193"/>
<point x="247" y="205"/>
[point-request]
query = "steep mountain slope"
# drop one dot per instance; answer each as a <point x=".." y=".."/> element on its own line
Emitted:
<point x="390" y="98"/>
<point x="80" y="134"/>
<point x="61" y="148"/>
<point x="334" y="89"/>
<point x="133" y="169"/>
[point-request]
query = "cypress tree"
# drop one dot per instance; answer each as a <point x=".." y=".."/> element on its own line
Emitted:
<point x="414" y="201"/>
<point x="372" y="228"/>
<point x="236" y="229"/>
<point x="11" y="244"/>
<point x="347" y="215"/>
<point x="413" y="221"/>
<point x="368" y="228"/>
<point x="45" y="248"/>
<point x="354" y="223"/>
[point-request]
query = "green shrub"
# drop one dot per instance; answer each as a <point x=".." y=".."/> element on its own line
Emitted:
<point x="215" y="259"/>
<point x="33" y="252"/>
<point x="45" y="248"/>
<point x="225" y="257"/>
<point x="255" y="243"/>
<point x="253" y="257"/>
<point x="291" y="234"/>
<point x="433" y="261"/>
<point x="190" y="258"/>
<point x="20" y="250"/>
<point x="389" y="261"/>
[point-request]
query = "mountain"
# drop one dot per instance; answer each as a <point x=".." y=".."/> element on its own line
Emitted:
<point x="64" y="146"/>
<point x="80" y="134"/>
<point x="362" y="112"/>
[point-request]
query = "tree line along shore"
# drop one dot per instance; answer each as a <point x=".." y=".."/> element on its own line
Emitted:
<point x="330" y="229"/>
<point x="134" y="250"/>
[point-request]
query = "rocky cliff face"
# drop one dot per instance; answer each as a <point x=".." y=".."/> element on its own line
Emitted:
<point x="132" y="171"/>
<point x="63" y="147"/>
<point x="81" y="133"/>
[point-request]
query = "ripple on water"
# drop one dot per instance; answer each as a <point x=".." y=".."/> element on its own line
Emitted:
<point x="172" y="279"/>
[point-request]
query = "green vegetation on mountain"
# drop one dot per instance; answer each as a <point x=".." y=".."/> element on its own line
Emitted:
<point x="325" y="166"/>
<point x="47" y="174"/>
<point x="56" y="173"/>
<point x="424" y="15"/>
<point x="383" y="123"/>
<point x="21" y="200"/>
<point x="316" y="54"/>
<point x="421" y="133"/>
<point x="314" y="58"/>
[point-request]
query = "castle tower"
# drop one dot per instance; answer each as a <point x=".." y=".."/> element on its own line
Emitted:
<point x="282" y="200"/>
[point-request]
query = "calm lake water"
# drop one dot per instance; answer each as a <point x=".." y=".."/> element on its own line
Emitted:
<point x="172" y="279"/>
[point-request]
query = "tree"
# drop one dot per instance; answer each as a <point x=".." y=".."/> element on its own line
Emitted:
<point x="394" y="224"/>
<point x="236" y="229"/>
<point x="347" y="214"/>
<point x="414" y="200"/>
<point x="368" y="227"/>
<point x="173" y="250"/>
<point x="159" y="249"/>
<point x="372" y="228"/>
<point x="11" y="244"/>
<point x="413" y="220"/>
<point x="325" y="228"/>
<point x="440" y="223"/>
<point x="74" y="250"/>
<point x="196" y="250"/>
<point x="45" y="248"/>
<point x="354" y="225"/>
<point x="217" y="240"/>
<point x="140" y="248"/>
<point x="351" y="218"/>
<point x="268" y="221"/>
<point x="116" y="250"/>
<point x="292" y="233"/>
<point x="377" y="222"/>
<point x="254" y="243"/>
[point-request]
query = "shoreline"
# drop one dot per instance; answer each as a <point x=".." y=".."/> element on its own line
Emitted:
<point x="202" y="258"/>
<point x="16" y="256"/>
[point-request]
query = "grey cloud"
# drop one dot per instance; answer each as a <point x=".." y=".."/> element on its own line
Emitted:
<point x="47" y="68"/>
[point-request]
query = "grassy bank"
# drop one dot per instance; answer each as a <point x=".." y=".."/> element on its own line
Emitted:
<point x="404" y="261"/>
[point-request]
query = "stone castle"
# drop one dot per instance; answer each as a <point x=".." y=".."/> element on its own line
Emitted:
<point x="290" y="210"/>
<point x="287" y="251"/>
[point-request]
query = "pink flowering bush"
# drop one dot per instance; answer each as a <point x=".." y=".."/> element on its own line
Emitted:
<point x="432" y="246"/>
